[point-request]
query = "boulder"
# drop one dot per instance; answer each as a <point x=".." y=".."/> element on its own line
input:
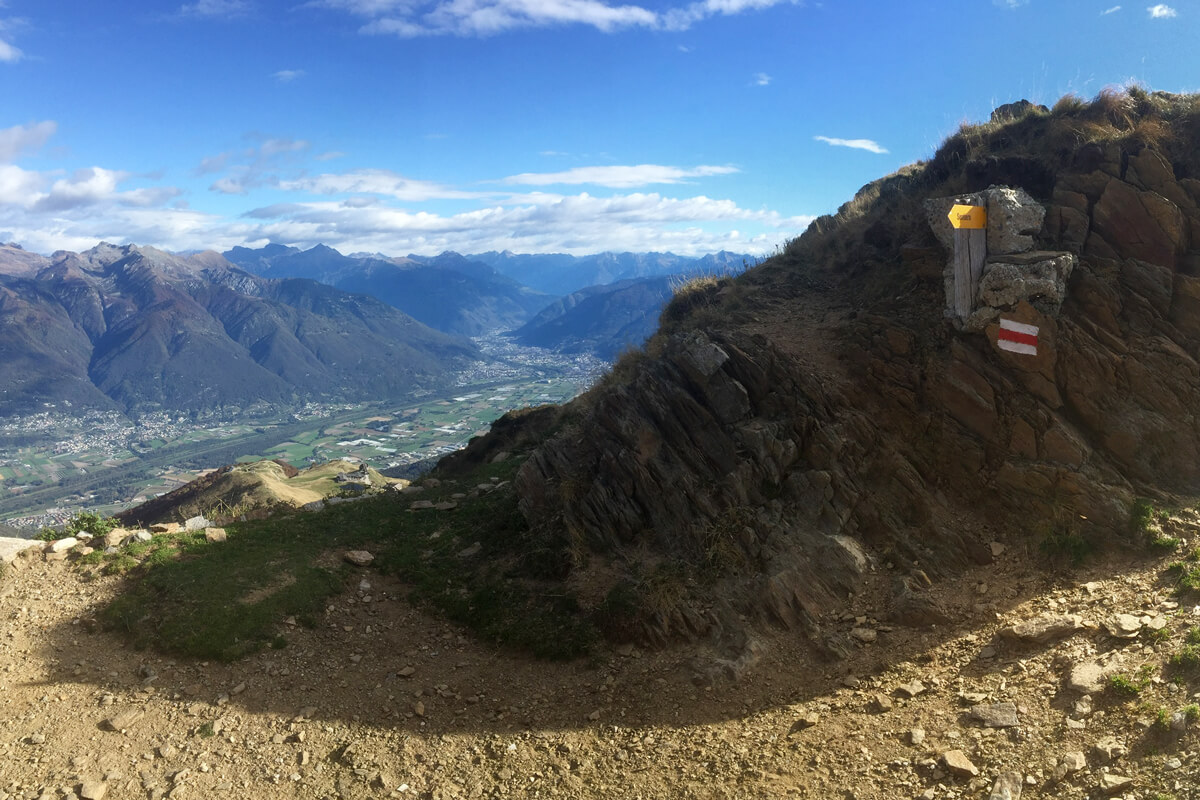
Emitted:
<point x="1014" y="218"/>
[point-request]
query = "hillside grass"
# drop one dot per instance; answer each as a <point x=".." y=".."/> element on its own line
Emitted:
<point x="225" y="600"/>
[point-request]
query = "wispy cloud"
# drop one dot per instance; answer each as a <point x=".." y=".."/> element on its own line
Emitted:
<point x="22" y="138"/>
<point x="1010" y="3"/>
<point x="1161" y="11"/>
<point x="378" y="182"/>
<point x="857" y="144"/>
<point x="762" y="79"/>
<point x="288" y="75"/>
<point x="215" y="8"/>
<point x="254" y="166"/>
<point x="412" y="18"/>
<point x="9" y="53"/>
<point x="618" y="177"/>
<point x="1108" y="11"/>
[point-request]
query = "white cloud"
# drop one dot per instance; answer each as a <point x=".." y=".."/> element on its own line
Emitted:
<point x="215" y="8"/>
<point x="411" y="18"/>
<point x="1010" y="3"/>
<point x="857" y="144"/>
<point x="288" y="75"/>
<point x="8" y="51"/>
<point x="274" y="147"/>
<point x="536" y="223"/>
<point x="1108" y="11"/>
<point x="376" y="181"/>
<point x="1161" y="11"/>
<point x="229" y="185"/>
<point x="254" y="166"/>
<point x="762" y="79"/>
<point x="21" y="138"/>
<point x="618" y="177"/>
<point x="17" y="185"/>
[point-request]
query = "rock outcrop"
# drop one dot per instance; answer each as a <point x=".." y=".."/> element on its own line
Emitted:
<point x="777" y="454"/>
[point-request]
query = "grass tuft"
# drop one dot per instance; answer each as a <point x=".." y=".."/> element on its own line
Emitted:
<point x="225" y="600"/>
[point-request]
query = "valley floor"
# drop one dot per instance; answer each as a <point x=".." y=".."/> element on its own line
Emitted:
<point x="383" y="700"/>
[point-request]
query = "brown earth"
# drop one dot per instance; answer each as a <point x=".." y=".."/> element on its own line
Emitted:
<point x="382" y="700"/>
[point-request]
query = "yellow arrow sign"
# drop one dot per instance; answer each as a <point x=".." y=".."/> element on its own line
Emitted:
<point x="968" y="217"/>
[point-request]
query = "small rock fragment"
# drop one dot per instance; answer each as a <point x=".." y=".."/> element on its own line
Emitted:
<point x="957" y="762"/>
<point x="911" y="689"/>
<point x="123" y="720"/>
<point x="864" y="635"/>
<point x="93" y="790"/>
<point x="996" y="715"/>
<point x="1123" y="626"/>
<point x="1007" y="787"/>
<point x="1111" y="783"/>
<point x="1108" y="749"/>
<point x="808" y="720"/>
<point x="359" y="558"/>
<point x="1045" y="629"/>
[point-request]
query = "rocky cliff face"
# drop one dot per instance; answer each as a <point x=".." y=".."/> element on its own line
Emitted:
<point x="820" y="424"/>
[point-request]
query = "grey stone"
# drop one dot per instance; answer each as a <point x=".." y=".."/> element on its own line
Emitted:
<point x="1108" y="749"/>
<point x="996" y="715"/>
<point x="808" y="720"/>
<point x="198" y="523"/>
<point x="62" y="545"/>
<point x="864" y="634"/>
<point x="1007" y="787"/>
<point x="359" y="558"/>
<point x="1087" y="677"/>
<point x="1073" y="761"/>
<point x="1123" y="626"/>
<point x="122" y="720"/>
<point x="1014" y="217"/>
<point x="1045" y="629"/>
<point x="10" y="548"/>
<point x="911" y="689"/>
<point x="1111" y="783"/>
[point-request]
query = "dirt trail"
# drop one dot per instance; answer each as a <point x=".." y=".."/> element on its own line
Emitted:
<point x="383" y="700"/>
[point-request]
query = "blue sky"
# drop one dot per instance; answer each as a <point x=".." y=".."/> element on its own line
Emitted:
<point x="417" y="126"/>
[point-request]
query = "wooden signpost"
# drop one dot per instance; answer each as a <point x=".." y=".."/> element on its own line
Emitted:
<point x="970" y="250"/>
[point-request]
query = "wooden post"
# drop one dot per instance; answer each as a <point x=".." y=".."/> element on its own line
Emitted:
<point x="970" y="251"/>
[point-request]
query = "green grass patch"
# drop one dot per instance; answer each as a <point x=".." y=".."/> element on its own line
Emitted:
<point x="479" y="565"/>
<point x="1187" y="573"/>
<point x="1130" y="686"/>
<point x="1062" y="542"/>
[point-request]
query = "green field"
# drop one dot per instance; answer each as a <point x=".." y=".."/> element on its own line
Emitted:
<point x="384" y="435"/>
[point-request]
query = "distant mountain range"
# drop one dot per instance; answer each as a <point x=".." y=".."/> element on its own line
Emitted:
<point x="561" y="274"/>
<point x="600" y="304"/>
<point x="603" y="320"/>
<point x="139" y="329"/>
<point x="448" y="292"/>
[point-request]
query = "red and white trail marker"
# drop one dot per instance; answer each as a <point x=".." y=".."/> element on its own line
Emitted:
<point x="1017" y="337"/>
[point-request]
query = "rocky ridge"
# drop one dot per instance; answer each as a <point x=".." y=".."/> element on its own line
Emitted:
<point x="795" y="429"/>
